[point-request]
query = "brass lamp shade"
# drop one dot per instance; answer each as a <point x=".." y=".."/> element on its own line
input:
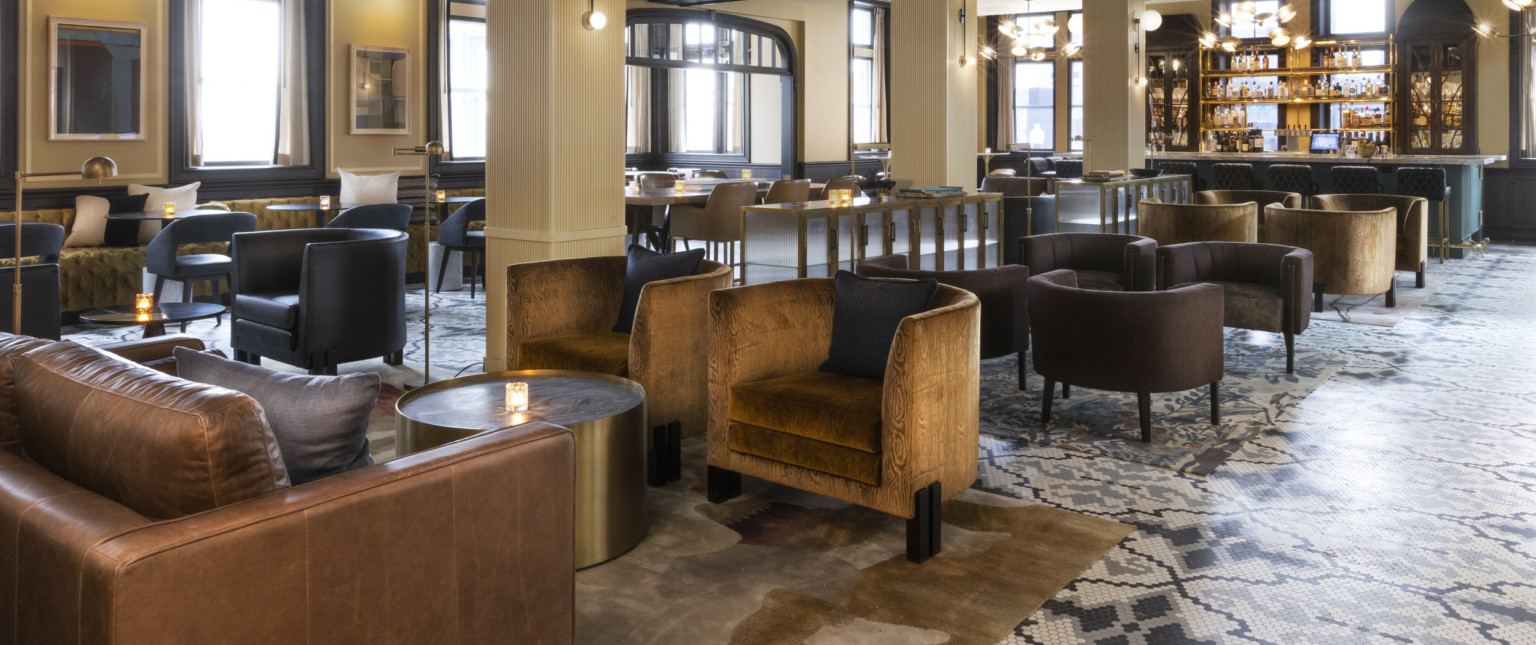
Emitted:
<point x="98" y="168"/>
<point x="435" y="148"/>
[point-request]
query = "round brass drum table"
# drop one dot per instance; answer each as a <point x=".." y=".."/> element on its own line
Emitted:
<point x="606" y="413"/>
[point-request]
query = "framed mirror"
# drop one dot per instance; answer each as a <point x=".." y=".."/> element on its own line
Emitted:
<point x="381" y="90"/>
<point x="96" y="89"/>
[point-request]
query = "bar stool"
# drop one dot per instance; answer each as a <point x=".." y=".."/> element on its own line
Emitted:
<point x="1293" y="178"/>
<point x="1356" y="180"/>
<point x="1069" y="168"/>
<point x="1431" y="184"/>
<point x="1183" y="168"/>
<point x="1235" y="176"/>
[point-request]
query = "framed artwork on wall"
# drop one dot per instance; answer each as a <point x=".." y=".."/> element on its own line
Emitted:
<point x="381" y="84"/>
<point x="96" y="80"/>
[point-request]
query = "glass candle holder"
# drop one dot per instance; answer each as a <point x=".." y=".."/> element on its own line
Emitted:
<point x="442" y="196"/>
<point x="746" y="174"/>
<point x="143" y="302"/>
<point x="142" y="317"/>
<point x="680" y="187"/>
<point x="170" y="208"/>
<point x="517" y="397"/>
<point x="325" y="202"/>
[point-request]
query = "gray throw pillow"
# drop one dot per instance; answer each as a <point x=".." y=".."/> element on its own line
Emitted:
<point x="321" y="422"/>
<point x="865" y="317"/>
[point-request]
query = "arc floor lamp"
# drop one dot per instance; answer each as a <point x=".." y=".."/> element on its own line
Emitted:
<point x="97" y="168"/>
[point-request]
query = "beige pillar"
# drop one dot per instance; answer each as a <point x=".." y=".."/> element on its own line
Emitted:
<point x="1114" y="108"/>
<point x="555" y="162"/>
<point x="933" y="96"/>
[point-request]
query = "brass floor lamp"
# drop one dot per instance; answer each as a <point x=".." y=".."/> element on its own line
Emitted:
<point x="432" y="149"/>
<point x="97" y="168"/>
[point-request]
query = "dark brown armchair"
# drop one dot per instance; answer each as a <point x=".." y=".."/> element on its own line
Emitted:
<point x="898" y="446"/>
<point x="1001" y="290"/>
<point x="1264" y="286"/>
<point x="1180" y="223"/>
<point x="1166" y="341"/>
<point x="1100" y="260"/>
<point x="1412" y="225"/>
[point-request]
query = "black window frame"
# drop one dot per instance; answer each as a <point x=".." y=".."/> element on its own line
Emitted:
<point x="181" y="169"/>
<point x="452" y="171"/>
<point x="10" y="90"/>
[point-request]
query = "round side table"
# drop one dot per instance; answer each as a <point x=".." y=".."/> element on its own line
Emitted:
<point x="606" y="413"/>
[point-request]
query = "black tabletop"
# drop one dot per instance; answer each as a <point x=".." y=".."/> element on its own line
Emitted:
<point x="163" y="312"/>
<point x="160" y="215"/>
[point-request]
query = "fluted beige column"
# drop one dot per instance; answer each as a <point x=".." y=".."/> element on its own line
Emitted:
<point x="933" y="95"/>
<point x="1114" y="108"/>
<point x="555" y="161"/>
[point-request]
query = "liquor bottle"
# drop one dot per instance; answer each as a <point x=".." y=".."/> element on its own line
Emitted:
<point x="1381" y="87"/>
<point x="1349" y="88"/>
<point x="1337" y="91"/>
<point x="1263" y="62"/>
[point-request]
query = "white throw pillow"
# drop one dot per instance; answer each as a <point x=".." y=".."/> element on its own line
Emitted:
<point x="185" y="197"/>
<point x="357" y="190"/>
<point x="90" y="227"/>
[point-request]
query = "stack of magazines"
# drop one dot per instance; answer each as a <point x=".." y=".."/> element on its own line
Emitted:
<point x="931" y="191"/>
<point x="1103" y="175"/>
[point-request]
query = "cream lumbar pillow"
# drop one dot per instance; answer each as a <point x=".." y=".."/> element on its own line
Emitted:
<point x="90" y="227"/>
<point x="184" y="197"/>
<point x="357" y="190"/>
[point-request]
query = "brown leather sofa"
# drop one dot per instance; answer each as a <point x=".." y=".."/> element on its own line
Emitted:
<point x="1353" y="252"/>
<point x="1180" y="223"/>
<point x="560" y="316"/>
<point x="1166" y="341"/>
<point x="1101" y="260"/>
<point x="136" y="507"/>
<point x="1001" y="290"/>
<point x="1412" y="225"/>
<point x="1264" y="286"/>
<point x="898" y="446"/>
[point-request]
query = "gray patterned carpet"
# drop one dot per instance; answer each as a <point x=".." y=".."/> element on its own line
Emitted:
<point x="1395" y="504"/>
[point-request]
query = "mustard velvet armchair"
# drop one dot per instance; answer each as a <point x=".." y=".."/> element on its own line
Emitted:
<point x="1412" y="225"/>
<point x="1180" y="223"/>
<point x="561" y="313"/>
<point x="900" y="446"/>
<point x="1353" y="252"/>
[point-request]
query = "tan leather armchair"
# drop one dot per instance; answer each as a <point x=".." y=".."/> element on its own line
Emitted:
<point x="1412" y="252"/>
<point x="1353" y="252"/>
<point x="838" y="183"/>
<point x="404" y="551"/>
<point x="719" y="221"/>
<point x="787" y="191"/>
<point x="898" y="446"/>
<point x="1180" y="223"/>
<point x="561" y="313"/>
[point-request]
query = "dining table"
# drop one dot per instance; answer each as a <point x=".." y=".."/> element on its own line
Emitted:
<point x="645" y="209"/>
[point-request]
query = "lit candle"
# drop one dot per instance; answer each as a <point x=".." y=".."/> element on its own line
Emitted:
<point x="442" y="196"/>
<point x="679" y="187"/>
<point x="170" y="208"/>
<point x="142" y="317"/>
<point x="144" y="302"/>
<point x="746" y="174"/>
<point x="517" y="397"/>
<point x="325" y="202"/>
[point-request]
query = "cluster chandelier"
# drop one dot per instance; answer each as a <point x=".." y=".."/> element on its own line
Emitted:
<point x="1518" y="5"/>
<point x="1020" y="34"/>
<point x="1245" y="13"/>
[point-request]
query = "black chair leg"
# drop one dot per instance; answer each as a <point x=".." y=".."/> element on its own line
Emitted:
<point x="925" y="529"/>
<point x="1392" y="294"/>
<point x="474" y="273"/>
<point x="723" y="485"/>
<point x="1290" y="353"/>
<point x="1022" y="371"/>
<point x="442" y="268"/>
<point x="1045" y="400"/>
<point x="159" y="287"/>
<point x="1216" y="403"/>
<point x="186" y="289"/>
<point x="395" y="358"/>
<point x="1066" y="391"/>
<point x="664" y="462"/>
<point x="1144" y="411"/>
<point x="1418" y="276"/>
<point x="1317" y="297"/>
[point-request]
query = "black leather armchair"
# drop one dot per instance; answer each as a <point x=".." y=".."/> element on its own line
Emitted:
<point x="40" y="239"/>
<point x="317" y="298"/>
<point x="39" y="282"/>
<point x="394" y="217"/>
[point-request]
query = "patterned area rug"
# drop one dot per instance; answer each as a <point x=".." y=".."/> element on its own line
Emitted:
<point x="778" y="565"/>
<point x="1373" y="310"/>
<point x="1255" y="394"/>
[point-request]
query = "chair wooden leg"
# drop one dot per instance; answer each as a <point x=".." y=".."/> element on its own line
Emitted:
<point x="1418" y="276"/>
<point x="925" y="529"/>
<point x="1392" y="294"/>
<point x="186" y="289"/>
<point x="1290" y="353"/>
<point x="396" y="358"/>
<point x="1144" y="411"/>
<point x="1045" y="400"/>
<point x="1317" y="297"/>
<point x="1022" y="371"/>
<point x="1216" y="403"/>
<point x="442" y="268"/>
<point x="723" y="485"/>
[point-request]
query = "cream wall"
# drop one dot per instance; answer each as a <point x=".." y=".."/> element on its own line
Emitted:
<point x="137" y="161"/>
<point x="378" y="23"/>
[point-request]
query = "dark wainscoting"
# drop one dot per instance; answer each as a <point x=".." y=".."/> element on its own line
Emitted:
<point x="1509" y="204"/>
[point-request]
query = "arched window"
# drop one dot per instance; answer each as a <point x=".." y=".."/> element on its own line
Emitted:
<point x="703" y="87"/>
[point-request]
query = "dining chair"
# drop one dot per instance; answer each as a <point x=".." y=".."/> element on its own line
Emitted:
<point x="787" y="191"/>
<point x="160" y="256"/>
<point x="719" y="220"/>
<point x="454" y="235"/>
<point x="388" y="216"/>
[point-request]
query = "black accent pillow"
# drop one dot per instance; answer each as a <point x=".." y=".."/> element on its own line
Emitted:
<point x="123" y="232"/>
<point x="864" y="321"/>
<point x="647" y="266"/>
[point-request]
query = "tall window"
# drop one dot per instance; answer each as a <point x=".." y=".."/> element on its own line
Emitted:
<point x="1076" y="116"/>
<point x="1034" y="88"/>
<point x="1358" y="16"/>
<point x="1523" y="134"/>
<point x="237" y="89"/>
<point x="867" y="73"/>
<point x="467" y="73"/>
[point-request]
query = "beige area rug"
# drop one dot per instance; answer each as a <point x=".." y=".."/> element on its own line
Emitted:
<point x="1373" y="310"/>
<point x="777" y="565"/>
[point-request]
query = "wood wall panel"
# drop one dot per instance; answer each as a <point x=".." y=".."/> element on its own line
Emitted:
<point x="1508" y="199"/>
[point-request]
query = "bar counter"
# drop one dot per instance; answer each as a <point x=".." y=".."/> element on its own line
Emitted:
<point x="1464" y="173"/>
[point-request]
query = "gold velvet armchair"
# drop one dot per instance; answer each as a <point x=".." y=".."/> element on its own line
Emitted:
<point x="561" y="313"/>
<point x="1353" y="252"/>
<point x="899" y="446"/>
<point x="1412" y="225"/>
<point x="1180" y="223"/>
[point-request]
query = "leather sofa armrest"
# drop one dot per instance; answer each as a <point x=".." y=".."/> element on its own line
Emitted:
<point x="931" y="400"/>
<point x="475" y="538"/>
<point x="562" y="297"/>
<point x="145" y="350"/>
